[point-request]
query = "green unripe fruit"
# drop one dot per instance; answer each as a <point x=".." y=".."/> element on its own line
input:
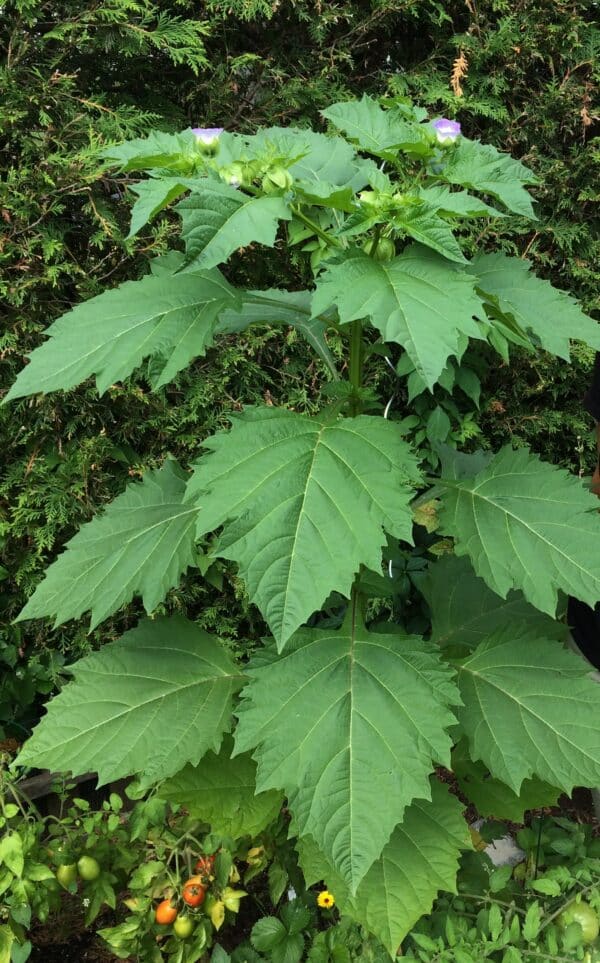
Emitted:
<point x="382" y="250"/>
<point x="183" y="927"/>
<point x="583" y="914"/>
<point x="89" y="868"/>
<point x="66" y="874"/>
<point x="236" y="174"/>
<point x="277" y="179"/>
<point x="370" y="198"/>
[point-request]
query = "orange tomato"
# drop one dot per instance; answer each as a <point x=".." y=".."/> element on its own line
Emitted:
<point x="165" y="913"/>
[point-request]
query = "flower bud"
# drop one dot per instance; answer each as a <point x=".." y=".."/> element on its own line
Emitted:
<point x="207" y="138"/>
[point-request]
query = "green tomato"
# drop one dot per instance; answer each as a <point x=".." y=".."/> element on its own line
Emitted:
<point x="66" y="874"/>
<point x="385" y="250"/>
<point x="208" y="904"/>
<point x="89" y="868"/>
<point x="583" y="914"/>
<point x="183" y="927"/>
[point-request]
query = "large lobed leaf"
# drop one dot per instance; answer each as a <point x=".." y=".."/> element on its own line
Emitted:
<point x="378" y="131"/>
<point x="417" y="300"/>
<point x="140" y="545"/>
<point x="481" y="167"/>
<point x="526" y="525"/>
<point x="280" y="307"/>
<point x="111" y="334"/>
<point x="456" y="203"/>
<point x="329" y="172"/>
<point x="177" y="152"/>
<point x="420" y="859"/>
<point x="551" y="315"/>
<point x="305" y="503"/>
<point x="349" y="724"/>
<point x="158" y="698"/>
<point x="221" y="791"/>
<point x="217" y="220"/>
<point x="491" y="797"/>
<point x="531" y="708"/>
<point x="464" y="611"/>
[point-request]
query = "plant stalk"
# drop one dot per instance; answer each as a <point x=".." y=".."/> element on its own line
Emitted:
<point x="356" y="363"/>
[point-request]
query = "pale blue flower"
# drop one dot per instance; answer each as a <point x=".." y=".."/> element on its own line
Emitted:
<point x="207" y="135"/>
<point x="447" y="130"/>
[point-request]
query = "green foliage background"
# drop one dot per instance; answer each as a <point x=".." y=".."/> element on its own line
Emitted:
<point x="78" y="75"/>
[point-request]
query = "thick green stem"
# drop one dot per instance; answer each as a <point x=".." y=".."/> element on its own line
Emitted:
<point x="328" y="238"/>
<point x="356" y="363"/>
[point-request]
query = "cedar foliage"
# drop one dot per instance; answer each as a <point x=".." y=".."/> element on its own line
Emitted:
<point x="78" y="75"/>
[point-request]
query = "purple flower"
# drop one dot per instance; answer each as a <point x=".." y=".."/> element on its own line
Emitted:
<point x="447" y="130"/>
<point x="207" y="135"/>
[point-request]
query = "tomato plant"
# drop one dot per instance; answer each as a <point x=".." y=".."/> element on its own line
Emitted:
<point x="409" y="584"/>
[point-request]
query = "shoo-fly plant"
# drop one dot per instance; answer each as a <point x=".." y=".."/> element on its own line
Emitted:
<point x="349" y="721"/>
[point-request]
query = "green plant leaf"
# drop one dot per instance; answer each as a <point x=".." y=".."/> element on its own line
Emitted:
<point x="530" y="709"/>
<point x="349" y="724"/>
<point x="221" y="791"/>
<point x="158" y="150"/>
<point x="480" y="167"/>
<point x="329" y="172"/>
<point x="218" y="219"/>
<point x="280" y="307"/>
<point x="420" y="859"/>
<point x="552" y="316"/>
<point x="378" y="131"/>
<point x="7" y="939"/>
<point x="459" y="203"/>
<point x="295" y="916"/>
<point x="464" y="611"/>
<point x="139" y="545"/>
<point x="417" y="300"/>
<point x="111" y="334"/>
<point x="305" y="503"/>
<point x="267" y="933"/>
<point x="11" y="853"/>
<point x="430" y="230"/>
<point x="153" y="195"/>
<point x="526" y="525"/>
<point x="491" y="797"/>
<point x="148" y="704"/>
<point x="290" y="950"/>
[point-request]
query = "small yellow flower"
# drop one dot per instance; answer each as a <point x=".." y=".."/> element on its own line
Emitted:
<point x="325" y="900"/>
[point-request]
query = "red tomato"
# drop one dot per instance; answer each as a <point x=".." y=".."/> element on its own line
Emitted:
<point x="205" y="866"/>
<point x="193" y="892"/>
